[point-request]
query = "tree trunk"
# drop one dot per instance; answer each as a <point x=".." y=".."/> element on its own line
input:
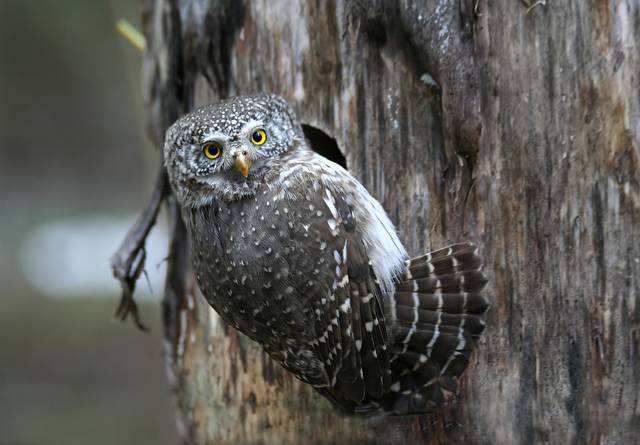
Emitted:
<point x="511" y="123"/>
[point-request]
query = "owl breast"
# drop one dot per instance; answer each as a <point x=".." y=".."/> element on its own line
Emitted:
<point x="263" y="266"/>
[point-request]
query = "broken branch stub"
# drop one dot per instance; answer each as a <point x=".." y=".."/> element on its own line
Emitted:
<point x="128" y="262"/>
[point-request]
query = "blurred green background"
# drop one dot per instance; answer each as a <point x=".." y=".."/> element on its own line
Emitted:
<point x="75" y="169"/>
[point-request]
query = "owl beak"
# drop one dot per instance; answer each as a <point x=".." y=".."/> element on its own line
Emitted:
<point x="242" y="163"/>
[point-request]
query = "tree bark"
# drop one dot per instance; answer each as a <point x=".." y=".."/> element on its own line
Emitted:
<point x="514" y="124"/>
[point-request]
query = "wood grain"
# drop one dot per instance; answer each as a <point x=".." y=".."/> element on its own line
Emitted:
<point x="513" y="125"/>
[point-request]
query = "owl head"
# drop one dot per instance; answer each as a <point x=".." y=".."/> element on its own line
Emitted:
<point x="225" y="151"/>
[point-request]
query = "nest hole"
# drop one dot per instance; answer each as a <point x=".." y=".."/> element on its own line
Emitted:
<point x="324" y="145"/>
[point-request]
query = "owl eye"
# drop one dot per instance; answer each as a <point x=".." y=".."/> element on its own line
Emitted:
<point x="259" y="137"/>
<point x="212" y="150"/>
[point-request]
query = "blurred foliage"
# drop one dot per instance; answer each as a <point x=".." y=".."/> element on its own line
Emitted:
<point x="72" y="144"/>
<point x="71" y="104"/>
<point x="131" y="34"/>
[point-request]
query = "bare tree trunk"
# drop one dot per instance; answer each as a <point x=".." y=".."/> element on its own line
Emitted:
<point x="513" y="123"/>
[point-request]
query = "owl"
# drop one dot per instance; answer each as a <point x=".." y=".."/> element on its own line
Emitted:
<point x="291" y="250"/>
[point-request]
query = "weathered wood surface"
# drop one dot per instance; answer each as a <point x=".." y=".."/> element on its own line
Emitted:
<point x="509" y="122"/>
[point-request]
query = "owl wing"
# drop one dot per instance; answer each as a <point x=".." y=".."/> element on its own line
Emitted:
<point x="348" y="312"/>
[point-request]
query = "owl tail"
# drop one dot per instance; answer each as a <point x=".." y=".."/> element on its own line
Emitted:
<point x="439" y="308"/>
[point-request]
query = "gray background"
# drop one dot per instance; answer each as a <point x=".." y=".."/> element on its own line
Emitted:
<point x="75" y="168"/>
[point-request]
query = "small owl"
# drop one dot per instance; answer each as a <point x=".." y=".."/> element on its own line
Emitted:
<point x="291" y="250"/>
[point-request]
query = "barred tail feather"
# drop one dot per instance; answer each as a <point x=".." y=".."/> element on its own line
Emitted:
<point x="438" y="309"/>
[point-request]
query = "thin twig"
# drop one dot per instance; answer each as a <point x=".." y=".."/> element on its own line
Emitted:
<point x="128" y="261"/>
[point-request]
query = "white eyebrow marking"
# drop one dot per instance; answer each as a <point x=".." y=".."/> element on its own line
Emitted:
<point x="215" y="136"/>
<point x="250" y="126"/>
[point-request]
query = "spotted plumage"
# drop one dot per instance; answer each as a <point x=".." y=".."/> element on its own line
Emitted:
<point x="291" y="250"/>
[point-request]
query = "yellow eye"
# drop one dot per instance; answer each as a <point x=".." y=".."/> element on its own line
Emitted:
<point x="259" y="137"/>
<point x="212" y="150"/>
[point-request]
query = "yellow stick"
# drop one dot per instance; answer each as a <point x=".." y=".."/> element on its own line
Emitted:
<point x="133" y="36"/>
